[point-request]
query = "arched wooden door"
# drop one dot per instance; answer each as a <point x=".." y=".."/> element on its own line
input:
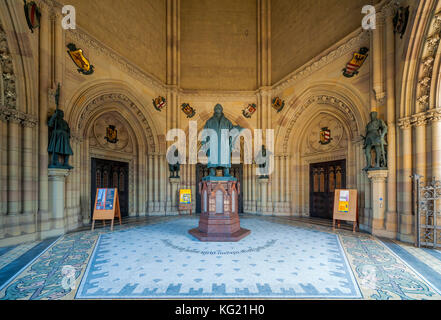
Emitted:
<point x="325" y="178"/>
<point x="111" y="174"/>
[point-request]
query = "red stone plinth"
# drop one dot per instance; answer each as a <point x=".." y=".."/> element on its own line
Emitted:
<point x="219" y="221"/>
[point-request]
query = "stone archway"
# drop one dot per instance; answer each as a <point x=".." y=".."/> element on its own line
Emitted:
<point x="89" y="115"/>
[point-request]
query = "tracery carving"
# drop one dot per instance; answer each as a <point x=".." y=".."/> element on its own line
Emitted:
<point x="116" y="97"/>
<point x="320" y="99"/>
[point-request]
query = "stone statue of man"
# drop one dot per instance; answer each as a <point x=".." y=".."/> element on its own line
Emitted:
<point x="218" y="122"/>
<point x="59" y="143"/>
<point x="376" y="131"/>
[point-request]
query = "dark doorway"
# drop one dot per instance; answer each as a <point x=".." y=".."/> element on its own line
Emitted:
<point x="111" y="174"/>
<point x="324" y="179"/>
<point x="202" y="171"/>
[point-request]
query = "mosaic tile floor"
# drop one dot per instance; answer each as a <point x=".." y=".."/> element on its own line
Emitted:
<point x="282" y="259"/>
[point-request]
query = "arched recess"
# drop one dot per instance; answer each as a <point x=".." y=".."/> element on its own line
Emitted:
<point x="341" y="97"/>
<point x="335" y="104"/>
<point x="107" y="104"/>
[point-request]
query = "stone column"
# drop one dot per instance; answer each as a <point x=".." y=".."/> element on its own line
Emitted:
<point x="162" y="183"/>
<point x="392" y="217"/>
<point x="406" y="218"/>
<point x="28" y="179"/>
<point x="288" y="183"/>
<point x="3" y="173"/>
<point x="174" y="182"/>
<point x="263" y="184"/>
<point x="14" y="186"/>
<point x="255" y="189"/>
<point x="57" y="181"/>
<point x="436" y="146"/>
<point x="378" y="193"/>
<point x="44" y="81"/>
<point x="150" y="184"/>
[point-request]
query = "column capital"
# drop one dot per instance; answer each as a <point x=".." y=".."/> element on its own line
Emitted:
<point x="378" y="175"/>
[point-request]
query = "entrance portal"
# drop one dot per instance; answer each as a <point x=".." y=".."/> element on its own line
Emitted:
<point x="111" y="174"/>
<point x="324" y="179"/>
<point x="202" y="171"/>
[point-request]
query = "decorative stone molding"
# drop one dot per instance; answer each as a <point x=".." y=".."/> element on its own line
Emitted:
<point x="7" y="81"/>
<point x="81" y="36"/>
<point x="419" y="119"/>
<point x="430" y="49"/>
<point x="361" y="39"/>
<point x="113" y="97"/>
<point x="320" y="99"/>
<point x="13" y="115"/>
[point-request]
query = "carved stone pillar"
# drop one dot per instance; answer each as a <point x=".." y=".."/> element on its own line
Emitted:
<point x="57" y="180"/>
<point x="392" y="217"/>
<point x="28" y="190"/>
<point x="263" y="203"/>
<point x="406" y="218"/>
<point x="378" y="193"/>
<point x="172" y="209"/>
<point x="44" y="84"/>
<point x="14" y="185"/>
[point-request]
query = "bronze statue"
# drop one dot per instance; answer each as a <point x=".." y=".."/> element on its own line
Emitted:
<point x="218" y="122"/>
<point x="175" y="168"/>
<point x="59" y="142"/>
<point x="376" y="131"/>
<point x="262" y="163"/>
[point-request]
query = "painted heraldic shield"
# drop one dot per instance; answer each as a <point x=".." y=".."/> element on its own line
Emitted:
<point x="79" y="59"/>
<point x="32" y="13"/>
<point x="357" y="61"/>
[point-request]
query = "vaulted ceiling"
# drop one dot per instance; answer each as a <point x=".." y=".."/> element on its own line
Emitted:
<point x="219" y="37"/>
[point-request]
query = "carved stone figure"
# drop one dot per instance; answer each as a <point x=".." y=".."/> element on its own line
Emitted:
<point x="59" y="142"/>
<point x="218" y="123"/>
<point x="376" y="131"/>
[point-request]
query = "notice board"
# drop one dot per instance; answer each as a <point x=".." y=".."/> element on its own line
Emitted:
<point x="346" y="206"/>
<point x="106" y="206"/>
<point x="185" y="200"/>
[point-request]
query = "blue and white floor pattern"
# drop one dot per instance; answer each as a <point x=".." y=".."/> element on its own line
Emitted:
<point x="164" y="261"/>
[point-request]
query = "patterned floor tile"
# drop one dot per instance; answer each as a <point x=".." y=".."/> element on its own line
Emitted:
<point x="164" y="261"/>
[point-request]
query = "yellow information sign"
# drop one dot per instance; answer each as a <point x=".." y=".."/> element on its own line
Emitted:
<point x="343" y="203"/>
<point x="185" y="196"/>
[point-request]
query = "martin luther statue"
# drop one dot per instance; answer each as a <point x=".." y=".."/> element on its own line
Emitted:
<point x="218" y="122"/>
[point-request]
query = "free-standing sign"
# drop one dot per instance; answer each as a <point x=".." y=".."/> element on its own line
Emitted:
<point x="106" y="206"/>
<point x="345" y="206"/>
<point x="185" y="200"/>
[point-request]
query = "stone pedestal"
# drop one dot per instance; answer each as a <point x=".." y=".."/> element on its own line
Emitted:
<point x="263" y="203"/>
<point x="57" y="179"/>
<point x="172" y="207"/>
<point x="378" y="201"/>
<point x="219" y="220"/>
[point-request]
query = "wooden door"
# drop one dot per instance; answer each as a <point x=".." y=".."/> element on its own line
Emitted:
<point x="111" y="174"/>
<point x="202" y="171"/>
<point x="324" y="179"/>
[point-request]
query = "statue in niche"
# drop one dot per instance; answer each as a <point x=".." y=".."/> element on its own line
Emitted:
<point x="59" y="137"/>
<point x="263" y="164"/>
<point x="376" y="131"/>
<point x="174" y="168"/>
<point x="219" y="122"/>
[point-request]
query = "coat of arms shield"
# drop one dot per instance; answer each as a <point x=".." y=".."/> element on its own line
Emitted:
<point x="111" y="134"/>
<point x="358" y="58"/>
<point x="249" y="110"/>
<point x="188" y="110"/>
<point x="33" y="15"/>
<point x="159" y="103"/>
<point x="79" y="59"/>
<point x="325" y="136"/>
<point x="278" y="104"/>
